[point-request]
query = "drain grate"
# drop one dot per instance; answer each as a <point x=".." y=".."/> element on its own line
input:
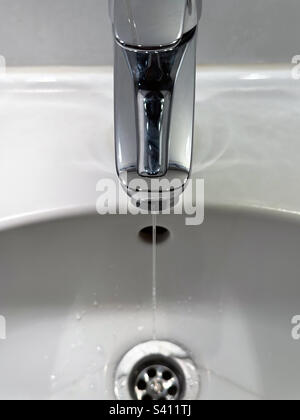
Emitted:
<point x="157" y="370"/>
<point x="158" y="382"/>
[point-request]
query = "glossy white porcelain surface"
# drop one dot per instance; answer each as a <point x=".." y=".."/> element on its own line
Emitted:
<point x="56" y="140"/>
<point x="77" y="291"/>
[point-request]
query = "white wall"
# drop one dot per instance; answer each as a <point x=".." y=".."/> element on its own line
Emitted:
<point x="78" y="32"/>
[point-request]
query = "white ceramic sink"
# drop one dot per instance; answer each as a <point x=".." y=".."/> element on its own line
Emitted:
<point x="76" y="287"/>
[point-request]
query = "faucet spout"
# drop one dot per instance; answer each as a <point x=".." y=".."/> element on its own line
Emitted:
<point x="155" y="63"/>
<point x="154" y="74"/>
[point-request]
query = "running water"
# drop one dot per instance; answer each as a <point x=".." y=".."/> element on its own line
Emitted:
<point x="154" y="280"/>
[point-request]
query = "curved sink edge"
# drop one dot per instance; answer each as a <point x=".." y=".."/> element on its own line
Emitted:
<point x="56" y="214"/>
<point x="44" y="216"/>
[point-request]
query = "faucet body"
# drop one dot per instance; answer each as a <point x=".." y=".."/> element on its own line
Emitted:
<point x="155" y="65"/>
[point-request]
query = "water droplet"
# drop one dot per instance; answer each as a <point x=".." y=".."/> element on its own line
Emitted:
<point x="53" y="378"/>
<point x="99" y="349"/>
<point x="80" y="315"/>
<point x="141" y="328"/>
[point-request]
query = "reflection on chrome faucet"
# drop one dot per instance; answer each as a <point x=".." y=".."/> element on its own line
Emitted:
<point x="155" y="64"/>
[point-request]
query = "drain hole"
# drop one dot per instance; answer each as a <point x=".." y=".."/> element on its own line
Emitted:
<point x="157" y="371"/>
<point x="158" y="378"/>
<point x="151" y="373"/>
<point x="173" y="391"/>
<point x="162" y="234"/>
<point x="167" y="375"/>
<point x="142" y="385"/>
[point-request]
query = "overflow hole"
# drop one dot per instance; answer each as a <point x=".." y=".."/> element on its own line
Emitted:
<point x="162" y="234"/>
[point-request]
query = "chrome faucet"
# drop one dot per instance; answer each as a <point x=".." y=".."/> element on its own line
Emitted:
<point x="155" y="66"/>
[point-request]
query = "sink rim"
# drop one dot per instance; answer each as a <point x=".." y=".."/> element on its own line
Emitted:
<point x="60" y="214"/>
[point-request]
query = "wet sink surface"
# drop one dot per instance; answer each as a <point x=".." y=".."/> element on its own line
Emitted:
<point x="75" y="303"/>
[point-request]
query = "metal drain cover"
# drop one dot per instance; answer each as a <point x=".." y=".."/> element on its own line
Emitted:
<point x="157" y="370"/>
<point x="158" y="382"/>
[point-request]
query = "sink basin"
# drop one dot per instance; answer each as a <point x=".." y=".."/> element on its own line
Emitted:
<point x="76" y="287"/>
<point x="75" y="302"/>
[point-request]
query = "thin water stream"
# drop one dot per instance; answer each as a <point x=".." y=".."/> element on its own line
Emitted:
<point x="154" y="274"/>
